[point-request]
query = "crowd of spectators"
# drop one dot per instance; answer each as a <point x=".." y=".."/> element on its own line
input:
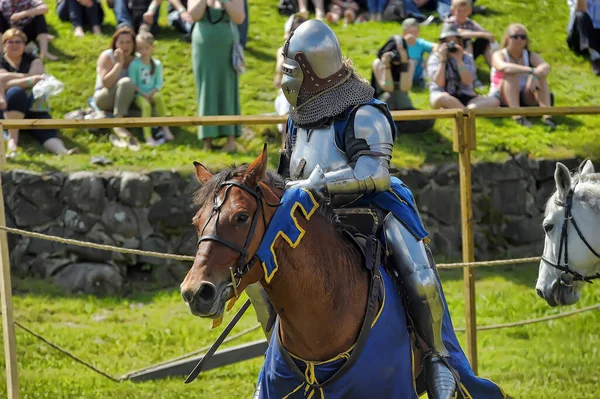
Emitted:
<point x="129" y="79"/>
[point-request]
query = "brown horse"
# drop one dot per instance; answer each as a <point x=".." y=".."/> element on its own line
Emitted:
<point x="322" y="292"/>
<point x="304" y="292"/>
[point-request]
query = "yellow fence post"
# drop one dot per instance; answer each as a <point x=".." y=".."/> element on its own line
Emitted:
<point x="464" y="142"/>
<point x="8" y="326"/>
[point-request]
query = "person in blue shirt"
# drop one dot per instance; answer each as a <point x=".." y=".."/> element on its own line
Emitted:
<point x="417" y="48"/>
<point x="146" y="74"/>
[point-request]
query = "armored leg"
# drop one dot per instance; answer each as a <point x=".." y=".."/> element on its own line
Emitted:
<point x="265" y="312"/>
<point x="409" y="261"/>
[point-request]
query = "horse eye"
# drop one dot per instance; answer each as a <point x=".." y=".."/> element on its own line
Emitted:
<point x="548" y="227"/>
<point x="242" y="218"/>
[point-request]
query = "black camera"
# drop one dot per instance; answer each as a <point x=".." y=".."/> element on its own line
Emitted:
<point x="395" y="57"/>
<point x="452" y="47"/>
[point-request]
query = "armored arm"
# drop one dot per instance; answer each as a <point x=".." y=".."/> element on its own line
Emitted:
<point x="369" y="145"/>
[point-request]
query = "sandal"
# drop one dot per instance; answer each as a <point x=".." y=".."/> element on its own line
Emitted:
<point x="550" y="123"/>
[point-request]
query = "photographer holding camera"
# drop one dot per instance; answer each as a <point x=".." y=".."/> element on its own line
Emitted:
<point x="392" y="79"/>
<point x="452" y="72"/>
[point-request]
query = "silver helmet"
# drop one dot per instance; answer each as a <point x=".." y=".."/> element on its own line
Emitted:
<point x="313" y="63"/>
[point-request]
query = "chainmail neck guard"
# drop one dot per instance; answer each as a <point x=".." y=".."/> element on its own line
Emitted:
<point x="353" y="91"/>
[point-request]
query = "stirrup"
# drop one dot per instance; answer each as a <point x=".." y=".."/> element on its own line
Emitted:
<point x="446" y="380"/>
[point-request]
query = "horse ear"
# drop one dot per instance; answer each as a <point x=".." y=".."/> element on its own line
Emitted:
<point x="202" y="174"/>
<point x="257" y="170"/>
<point x="586" y="167"/>
<point x="562" y="176"/>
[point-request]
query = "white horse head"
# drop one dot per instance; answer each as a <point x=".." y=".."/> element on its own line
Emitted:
<point x="575" y="249"/>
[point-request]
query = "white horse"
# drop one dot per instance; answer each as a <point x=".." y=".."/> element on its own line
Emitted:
<point x="572" y="225"/>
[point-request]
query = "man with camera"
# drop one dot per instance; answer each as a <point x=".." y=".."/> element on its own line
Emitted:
<point x="392" y="79"/>
<point x="452" y="73"/>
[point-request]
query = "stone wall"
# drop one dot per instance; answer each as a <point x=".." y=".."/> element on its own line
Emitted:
<point x="153" y="212"/>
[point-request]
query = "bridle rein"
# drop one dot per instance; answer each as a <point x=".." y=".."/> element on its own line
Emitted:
<point x="243" y="264"/>
<point x="569" y="275"/>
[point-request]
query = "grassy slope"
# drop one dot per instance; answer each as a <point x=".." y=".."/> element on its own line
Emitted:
<point x="547" y="360"/>
<point x="571" y="80"/>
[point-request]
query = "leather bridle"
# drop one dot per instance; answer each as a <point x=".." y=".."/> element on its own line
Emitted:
<point x="569" y="275"/>
<point x="243" y="265"/>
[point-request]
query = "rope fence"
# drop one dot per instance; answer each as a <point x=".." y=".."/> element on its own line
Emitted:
<point x="188" y="258"/>
<point x="126" y="376"/>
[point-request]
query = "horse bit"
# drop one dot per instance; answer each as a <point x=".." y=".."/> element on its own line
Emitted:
<point x="569" y="275"/>
<point x="243" y="266"/>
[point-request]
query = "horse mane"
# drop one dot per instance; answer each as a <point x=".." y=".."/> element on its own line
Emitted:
<point x="207" y="190"/>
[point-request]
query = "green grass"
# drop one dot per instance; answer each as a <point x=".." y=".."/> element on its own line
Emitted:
<point x="571" y="80"/>
<point x="553" y="359"/>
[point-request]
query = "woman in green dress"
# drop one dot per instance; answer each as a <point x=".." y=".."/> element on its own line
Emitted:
<point x="216" y="81"/>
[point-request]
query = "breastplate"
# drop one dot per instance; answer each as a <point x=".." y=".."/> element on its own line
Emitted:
<point x="315" y="147"/>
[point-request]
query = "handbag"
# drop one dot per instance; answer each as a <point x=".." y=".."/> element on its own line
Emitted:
<point x="237" y="53"/>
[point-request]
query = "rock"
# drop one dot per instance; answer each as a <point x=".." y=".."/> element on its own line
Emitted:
<point x="47" y="267"/>
<point x="12" y="238"/>
<point x="546" y="167"/>
<point x="28" y="214"/>
<point x="514" y="198"/>
<point x="145" y="229"/>
<point x="84" y="191"/>
<point x="37" y="246"/>
<point x="166" y="184"/>
<point x="19" y="259"/>
<point x="498" y="172"/>
<point x="525" y="251"/>
<point x="79" y="221"/>
<point x="25" y="177"/>
<point x="171" y="213"/>
<point x="42" y="193"/>
<point x="191" y="185"/>
<point x="413" y="178"/>
<point x="447" y="174"/>
<point x="125" y="259"/>
<point x="120" y="219"/>
<point x="544" y="191"/>
<point x="135" y="189"/>
<point x="446" y="242"/>
<point x="96" y="235"/>
<point x="90" y="278"/>
<point x="154" y="243"/>
<point x="522" y="230"/>
<point x="442" y="203"/>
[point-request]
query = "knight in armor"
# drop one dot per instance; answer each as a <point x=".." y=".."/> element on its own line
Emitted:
<point x="349" y="162"/>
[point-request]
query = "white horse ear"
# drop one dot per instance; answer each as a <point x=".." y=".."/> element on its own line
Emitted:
<point x="562" y="176"/>
<point x="586" y="167"/>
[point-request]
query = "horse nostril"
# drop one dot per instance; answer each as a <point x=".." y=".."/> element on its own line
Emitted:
<point x="188" y="296"/>
<point x="540" y="293"/>
<point x="206" y="293"/>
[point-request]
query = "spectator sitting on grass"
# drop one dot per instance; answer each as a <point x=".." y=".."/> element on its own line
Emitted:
<point x="392" y="80"/>
<point x="417" y="48"/>
<point x="519" y="76"/>
<point x="81" y="13"/>
<point x="339" y="9"/>
<point x="451" y="72"/>
<point x="19" y="72"/>
<point x="584" y="30"/>
<point x="147" y="75"/>
<point x="478" y="41"/>
<point x="114" y="91"/>
<point x="28" y="17"/>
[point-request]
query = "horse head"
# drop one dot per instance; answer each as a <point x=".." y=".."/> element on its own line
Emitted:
<point x="572" y="248"/>
<point x="233" y="215"/>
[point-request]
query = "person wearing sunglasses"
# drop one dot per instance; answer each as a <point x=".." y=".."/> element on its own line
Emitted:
<point x="519" y="76"/>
